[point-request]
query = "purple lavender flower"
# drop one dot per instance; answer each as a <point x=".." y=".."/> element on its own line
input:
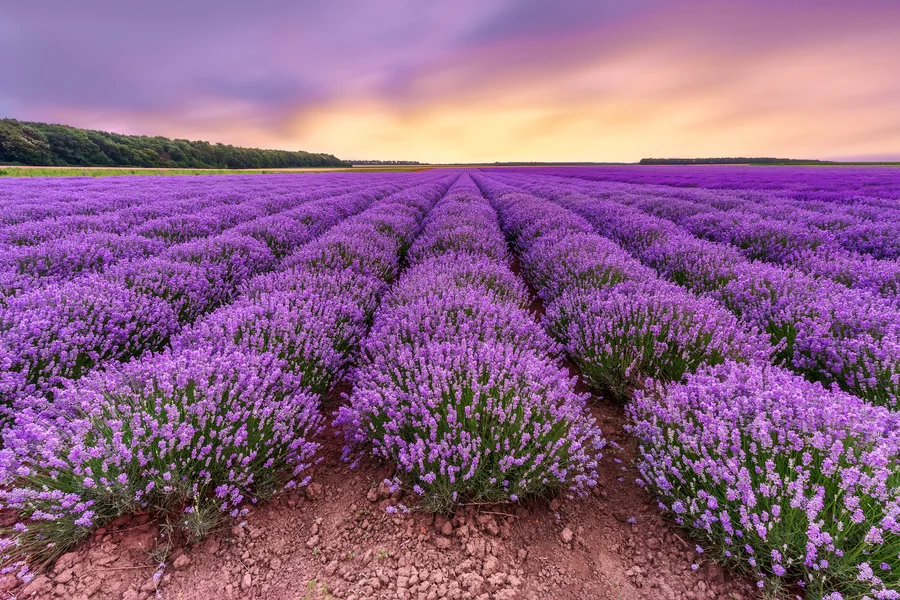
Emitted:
<point x="820" y="328"/>
<point x="61" y="331"/>
<point x="64" y="258"/>
<point x="164" y="431"/>
<point x="784" y="459"/>
<point x="621" y="335"/>
<point x="313" y="333"/>
<point x="457" y="383"/>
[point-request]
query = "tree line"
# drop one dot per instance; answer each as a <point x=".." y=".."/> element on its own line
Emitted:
<point x="385" y="162"/>
<point x="45" y="144"/>
<point x="731" y="161"/>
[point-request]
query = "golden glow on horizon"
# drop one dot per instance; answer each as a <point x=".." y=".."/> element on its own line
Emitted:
<point x="818" y="102"/>
<point x="664" y="95"/>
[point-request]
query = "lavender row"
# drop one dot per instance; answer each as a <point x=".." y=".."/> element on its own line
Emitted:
<point x="177" y="200"/>
<point x="64" y="256"/>
<point x="819" y="328"/>
<point x="458" y="385"/>
<point x="835" y="244"/>
<point x="617" y="319"/>
<point x="778" y="476"/>
<point x="828" y="238"/>
<point x="796" y="483"/>
<point x="840" y="186"/>
<point x="857" y="228"/>
<point x="225" y="417"/>
<point x="121" y="220"/>
<point x="29" y="266"/>
<point x="60" y="332"/>
<point x="40" y="199"/>
<point x="788" y="241"/>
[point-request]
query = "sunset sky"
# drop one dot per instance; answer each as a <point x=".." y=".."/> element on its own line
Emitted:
<point x="469" y="80"/>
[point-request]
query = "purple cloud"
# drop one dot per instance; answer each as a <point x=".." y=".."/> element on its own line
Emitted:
<point x="367" y="78"/>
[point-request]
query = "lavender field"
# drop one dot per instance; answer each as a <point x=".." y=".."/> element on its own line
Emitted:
<point x="190" y="349"/>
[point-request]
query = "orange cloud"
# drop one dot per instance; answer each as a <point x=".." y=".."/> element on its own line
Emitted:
<point x="707" y="79"/>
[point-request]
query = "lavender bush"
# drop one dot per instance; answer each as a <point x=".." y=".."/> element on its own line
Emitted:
<point x="621" y="335"/>
<point x="364" y="290"/>
<point x="13" y="283"/>
<point x="820" y="328"/>
<point x="565" y="261"/>
<point x="190" y="434"/>
<point x="190" y="289"/>
<point x="794" y="482"/>
<point x="281" y="233"/>
<point x="457" y="384"/>
<point x="313" y="334"/>
<point x="464" y="273"/>
<point x="233" y="258"/>
<point x="363" y="250"/>
<point x="475" y="422"/>
<point x="63" y="330"/>
<point x="67" y="257"/>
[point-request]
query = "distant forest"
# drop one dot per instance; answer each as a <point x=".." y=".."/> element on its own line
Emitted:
<point x="384" y="162"/>
<point x="43" y="144"/>
<point x="732" y="161"/>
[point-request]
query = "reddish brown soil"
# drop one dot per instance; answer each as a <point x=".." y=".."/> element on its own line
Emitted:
<point x="336" y="540"/>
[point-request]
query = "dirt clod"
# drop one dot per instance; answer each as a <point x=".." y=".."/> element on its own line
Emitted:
<point x="350" y="548"/>
<point x="182" y="562"/>
<point x="315" y="491"/>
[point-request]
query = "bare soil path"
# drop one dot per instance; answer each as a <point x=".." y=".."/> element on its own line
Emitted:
<point x="338" y="540"/>
<point x="343" y="537"/>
